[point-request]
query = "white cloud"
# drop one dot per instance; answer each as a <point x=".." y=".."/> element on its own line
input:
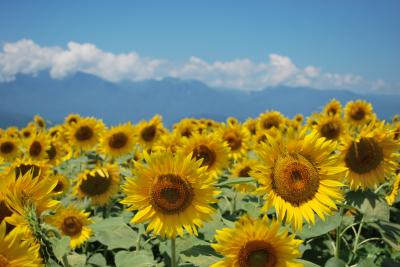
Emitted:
<point x="27" y="57"/>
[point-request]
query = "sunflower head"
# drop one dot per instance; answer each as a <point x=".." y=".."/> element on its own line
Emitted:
<point x="72" y="119"/>
<point x="358" y="112"/>
<point x="256" y="243"/>
<point x="9" y="148"/>
<point x="63" y="184"/>
<point x="118" y="141"/>
<point x="149" y="132"/>
<point x="85" y="134"/>
<point x="333" y="108"/>
<point x="38" y="146"/>
<point x="99" y="184"/>
<point x="184" y="128"/>
<point x="330" y="127"/>
<point x="40" y="122"/>
<point x="251" y="125"/>
<point x="172" y="192"/>
<point x="28" y="132"/>
<point x="271" y="119"/>
<point x="22" y="166"/>
<point x="237" y="138"/>
<point x="243" y="169"/>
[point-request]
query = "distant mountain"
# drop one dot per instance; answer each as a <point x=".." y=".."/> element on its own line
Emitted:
<point x="174" y="99"/>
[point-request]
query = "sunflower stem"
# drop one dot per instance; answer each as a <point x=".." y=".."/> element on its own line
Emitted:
<point x="355" y="247"/>
<point x="173" y="253"/>
<point x="338" y="234"/>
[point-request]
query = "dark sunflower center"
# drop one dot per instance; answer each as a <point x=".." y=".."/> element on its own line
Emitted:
<point x="72" y="226"/>
<point x="53" y="133"/>
<point x="332" y="111"/>
<point x="203" y="152"/>
<point x="245" y="172"/>
<point x="364" y="156"/>
<point x="59" y="187"/>
<point x="72" y="120"/>
<point x="35" y="149"/>
<point x="171" y="194"/>
<point x="330" y="130"/>
<point x="26" y="134"/>
<point x="118" y="140"/>
<point x="295" y="179"/>
<point x="257" y="253"/>
<point x="186" y="132"/>
<point x="148" y="133"/>
<point x="358" y="114"/>
<point x="7" y="147"/>
<point x="252" y="129"/>
<point x="271" y="122"/>
<point x="40" y="123"/>
<point x="84" y="133"/>
<point x="52" y="152"/>
<point x="22" y="169"/>
<point x="95" y="185"/>
<point x="234" y="142"/>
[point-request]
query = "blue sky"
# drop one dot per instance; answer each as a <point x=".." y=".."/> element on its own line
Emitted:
<point x="337" y="37"/>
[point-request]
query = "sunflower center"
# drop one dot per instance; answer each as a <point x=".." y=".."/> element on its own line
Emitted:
<point x="7" y="147"/>
<point x="234" y="142"/>
<point x="35" y="149"/>
<point x="84" y="133"/>
<point x="186" y="132"/>
<point x="118" y="140"/>
<point x="332" y="111"/>
<point x="72" y="120"/>
<point x="330" y="130"/>
<point x="26" y="134"/>
<point x="203" y="152"/>
<point x="95" y="185"/>
<point x="23" y="169"/>
<point x="171" y="194"/>
<point x="148" y="133"/>
<point x="3" y="261"/>
<point x="271" y="122"/>
<point x="295" y="179"/>
<point x="245" y="172"/>
<point x="71" y="226"/>
<point x="52" y="152"/>
<point x="59" y="187"/>
<point x="364" y="156"/>
<point x="257" y="253"/>
<point x="358" y="113"/>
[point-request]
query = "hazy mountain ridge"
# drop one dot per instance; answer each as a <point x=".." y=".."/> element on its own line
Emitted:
<point x="172" y="98"/>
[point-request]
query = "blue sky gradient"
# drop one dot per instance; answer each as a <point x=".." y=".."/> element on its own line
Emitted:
<point x="356" y="36"/>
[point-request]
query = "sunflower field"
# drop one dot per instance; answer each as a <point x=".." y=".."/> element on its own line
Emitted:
<point x="270" y="191"/>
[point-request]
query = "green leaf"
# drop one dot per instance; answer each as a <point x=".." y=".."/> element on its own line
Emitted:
<point x="200" y="255"/>
<point x="233" y="181"/>
<point x="76" y="260"/>
<point x="369" y="204"/>
<point x="61" y="247"/>
<point x="137" y="259"/>
<point x="367" y="263"/>
<point x="114" y="233"/>
<point x="210" y="227"/>
<point x="97" y="260"/>
<point x="335" y="262"/>
<point x="308" y="263"/>
<point x="321" y="227"/>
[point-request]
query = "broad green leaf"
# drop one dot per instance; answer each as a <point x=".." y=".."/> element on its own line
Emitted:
<point x="367" y="263"/>
<point x="308" y="263"/>
<point x="76" y="260"/>
<point x="335" y="262"/>
<point x="210" y="227"/>
<point x="114" y="233"/>
<point x="199" y="255"/>
<point x="137" y="259"/>
<point x="61" y="247"/>
<point x="97" y="260"/>
<point x="369" y="204"/>
<point x="321" y="227"/>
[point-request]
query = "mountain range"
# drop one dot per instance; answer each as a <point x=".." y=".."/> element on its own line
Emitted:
<point x="172" y="98"/>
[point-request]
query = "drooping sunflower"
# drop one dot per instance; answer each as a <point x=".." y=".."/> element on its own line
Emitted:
<point x="74" y="223"/>
<point x="118" y="141"/>
<point x="299" y="177"/>
<point x="99" y="184"/>
<point x="243" y="169"/>
<point x="41" y="123"/>
<point x="38" y="146"/>
<point x="268" y="120"/>
<point x="63" y="184"/>
<point x="370" y="157"/>
<point x="173" y="192"/>
<point x="15" y="252"/>
<point x="9" y="148"/>
<point x="237" y="138"/>
<point x="85" y="134"/>
<point x="333" y="108"/>
<point x="330" y="127"/>
<point x="391" y="198"/>
<point x="358" y="112"/>
<point x="150" y="131"/>
<point x="257" y="243"/>
<point x="210" y="149"/>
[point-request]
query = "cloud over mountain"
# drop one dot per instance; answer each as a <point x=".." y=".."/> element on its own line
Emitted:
<point x="27" y="57"/>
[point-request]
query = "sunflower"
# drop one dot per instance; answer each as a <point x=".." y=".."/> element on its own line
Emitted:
<point x="184" y="128"/>
<point x="232" y="121"/>
<point x="237" y="138"/>
<point x="358" y="112"/>
<point x="63" y="184"/>
<point x="99" y="184"/>
<point x="14" y="252"/>
<point x="8" y="148"/>
<point x="168" y="142"/>
<point x="370" y="157"/>
<point x="22" y="166"/>
<point x="85" y="134"/>
<point x="271" y="119"/>
<point x="391" y="198"/>
<point x="118" y="141"/>
<point x="41" y="123"/>
<point x="251" y="125"/>
<point x="74" y="223"/>
<point x="13" y="132"/>
<point x="243" y="169"/>
<point x="330" y="127"/>
<point x="38" y="146"/>
<point x="72" y="119"/>
<point x="256" y="243"/>
<point x="58" y="152"/>
<point x="5" y="212"/>
<point x="28" y="132"/>
<point x="210" y="149"/>
<point x="299" y="118"/>
<point x="173" y="192"/>
<point x="299" y="177"/>
<point x="333" y="108"/>
<point x="150" y="132"/>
